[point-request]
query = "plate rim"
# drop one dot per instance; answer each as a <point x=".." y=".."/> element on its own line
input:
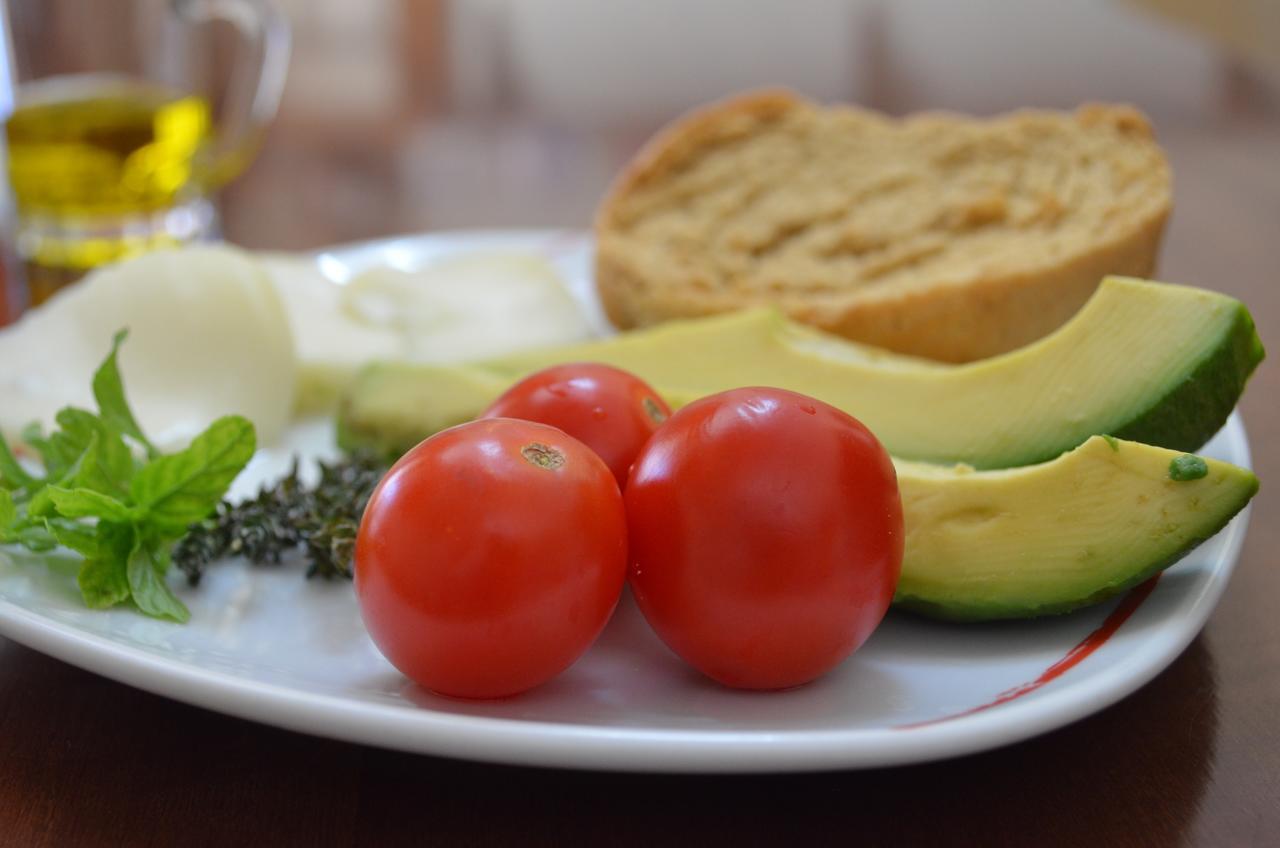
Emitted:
<point x="542" y="743"/>
<point x="567" y="745"/>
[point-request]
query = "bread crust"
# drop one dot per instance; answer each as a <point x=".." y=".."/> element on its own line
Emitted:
<point x="955" y="320"/>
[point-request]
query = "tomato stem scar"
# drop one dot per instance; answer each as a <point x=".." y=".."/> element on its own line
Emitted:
<point x="542" y="455"/>
<point x="654" y="411"/>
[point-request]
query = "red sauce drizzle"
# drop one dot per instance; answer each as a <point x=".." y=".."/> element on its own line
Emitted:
<point x="1087" y="646"/>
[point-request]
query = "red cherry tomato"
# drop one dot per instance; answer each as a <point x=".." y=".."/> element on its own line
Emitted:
<point x="765" y="534"/>
<point x="610" y="410"/>
<point x="490" y="557"/>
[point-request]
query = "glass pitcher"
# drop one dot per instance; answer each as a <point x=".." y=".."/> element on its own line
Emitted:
<point x="118" y="126"/>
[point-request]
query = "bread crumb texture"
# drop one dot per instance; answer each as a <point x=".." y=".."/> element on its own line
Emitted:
<point x="935" y="235"/>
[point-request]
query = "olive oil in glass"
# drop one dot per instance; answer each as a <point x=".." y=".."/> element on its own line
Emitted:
<point x="102" y="167"/>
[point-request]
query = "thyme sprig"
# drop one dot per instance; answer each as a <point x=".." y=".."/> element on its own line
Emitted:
<point x="322" y="520"/>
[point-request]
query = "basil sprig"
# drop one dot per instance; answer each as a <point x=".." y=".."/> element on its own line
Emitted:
<point x="109" y="494"/>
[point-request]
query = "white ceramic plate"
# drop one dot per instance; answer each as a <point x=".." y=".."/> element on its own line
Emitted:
<point x="270" y="646"/>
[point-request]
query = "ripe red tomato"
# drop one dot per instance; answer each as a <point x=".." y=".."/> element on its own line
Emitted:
<point x="610" y="410"/>
<point x="490" y="557"/>
<point x="765" y="534"/>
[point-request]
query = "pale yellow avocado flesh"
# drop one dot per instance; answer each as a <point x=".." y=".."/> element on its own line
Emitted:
<point x="1049" y="538"/>
<point x="1014" y="543"/>
<point x="1156" y="363"/>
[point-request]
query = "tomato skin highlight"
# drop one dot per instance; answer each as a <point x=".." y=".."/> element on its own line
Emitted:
<point x="765" y="536"/>
<point x="482" y="567"/>
<point x="611" y="411"/>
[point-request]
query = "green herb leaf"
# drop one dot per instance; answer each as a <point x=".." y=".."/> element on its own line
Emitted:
<point x="51" y="458"/>
<point x="32" y="536"/>
<point x="81" y="538"/>
<point x="86" y="472"/>
<point x="108" y="391"/>
<point x="76" y="428"/>
<point x="96" y="455"/>
<point x="150" y="592"/>
<point x="99" y="470"/>
<point x="86" y="503"/>
<point x="180" y="489"/>
<point x="90" y="472"/>
<point x="12" y="474"/>
<point x="97" y="500"/>
<point x="104" y="577"/>
<point x="104" y="582"/>
<point x="41" y="505"/>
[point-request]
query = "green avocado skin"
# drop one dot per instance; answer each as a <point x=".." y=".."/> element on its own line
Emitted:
<point x="1183" y="417"/>
<point x="1190" y="413"/>
<point x="962" y="610"/>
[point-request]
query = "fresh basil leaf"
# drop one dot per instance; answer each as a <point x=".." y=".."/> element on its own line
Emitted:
<point x="86" y="503"/>
<point x="104" y="582"/>
<point x="81" y="538"/>
<point x="111" y="465"/>
<point x="149" y="590"/>
<point x="108" y="391"/>
<point x="86" y="473"/>
<point x="41" y="505"/>
<point x="12" y="474"/>
<point x="101" y="469"/>
<point x="33" y="537"/>
<point x="179" y="489"/>
<point x="75" y="428"/>
<point x="161" y="558"/>
<point x="104" y="577"/>
<point x="88" y="455"/>
<point x="15" y="530"/>
<point x="33" y="436"/>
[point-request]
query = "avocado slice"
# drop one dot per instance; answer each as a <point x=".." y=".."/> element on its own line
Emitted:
<point x="1049" y="538"/>
<point x="1151" y="362"/>
<point x="392" y="406"/>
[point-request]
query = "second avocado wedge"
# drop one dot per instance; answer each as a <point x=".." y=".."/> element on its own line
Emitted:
<point x="1050" y="538"/>
<point x="1151" y="362"/>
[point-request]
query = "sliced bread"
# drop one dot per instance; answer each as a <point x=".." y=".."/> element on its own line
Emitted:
<point x="935" y="235"/>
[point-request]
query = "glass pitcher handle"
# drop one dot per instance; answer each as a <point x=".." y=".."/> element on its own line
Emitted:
<point x="253" y="93"/>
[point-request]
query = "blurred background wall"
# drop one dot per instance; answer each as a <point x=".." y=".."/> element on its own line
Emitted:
<point x="529" y="106"/>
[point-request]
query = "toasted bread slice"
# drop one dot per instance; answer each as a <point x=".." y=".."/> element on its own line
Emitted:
<point x="935" y="235"/>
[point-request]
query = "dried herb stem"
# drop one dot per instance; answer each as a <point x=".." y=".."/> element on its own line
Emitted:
<point x="322" y="520"/>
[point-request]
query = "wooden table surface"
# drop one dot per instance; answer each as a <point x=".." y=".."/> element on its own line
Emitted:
<point x="410" y="116"/>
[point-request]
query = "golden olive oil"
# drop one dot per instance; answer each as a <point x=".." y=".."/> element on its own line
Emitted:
<point x="103" y="145"/>
<point x="94" y="162"/>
